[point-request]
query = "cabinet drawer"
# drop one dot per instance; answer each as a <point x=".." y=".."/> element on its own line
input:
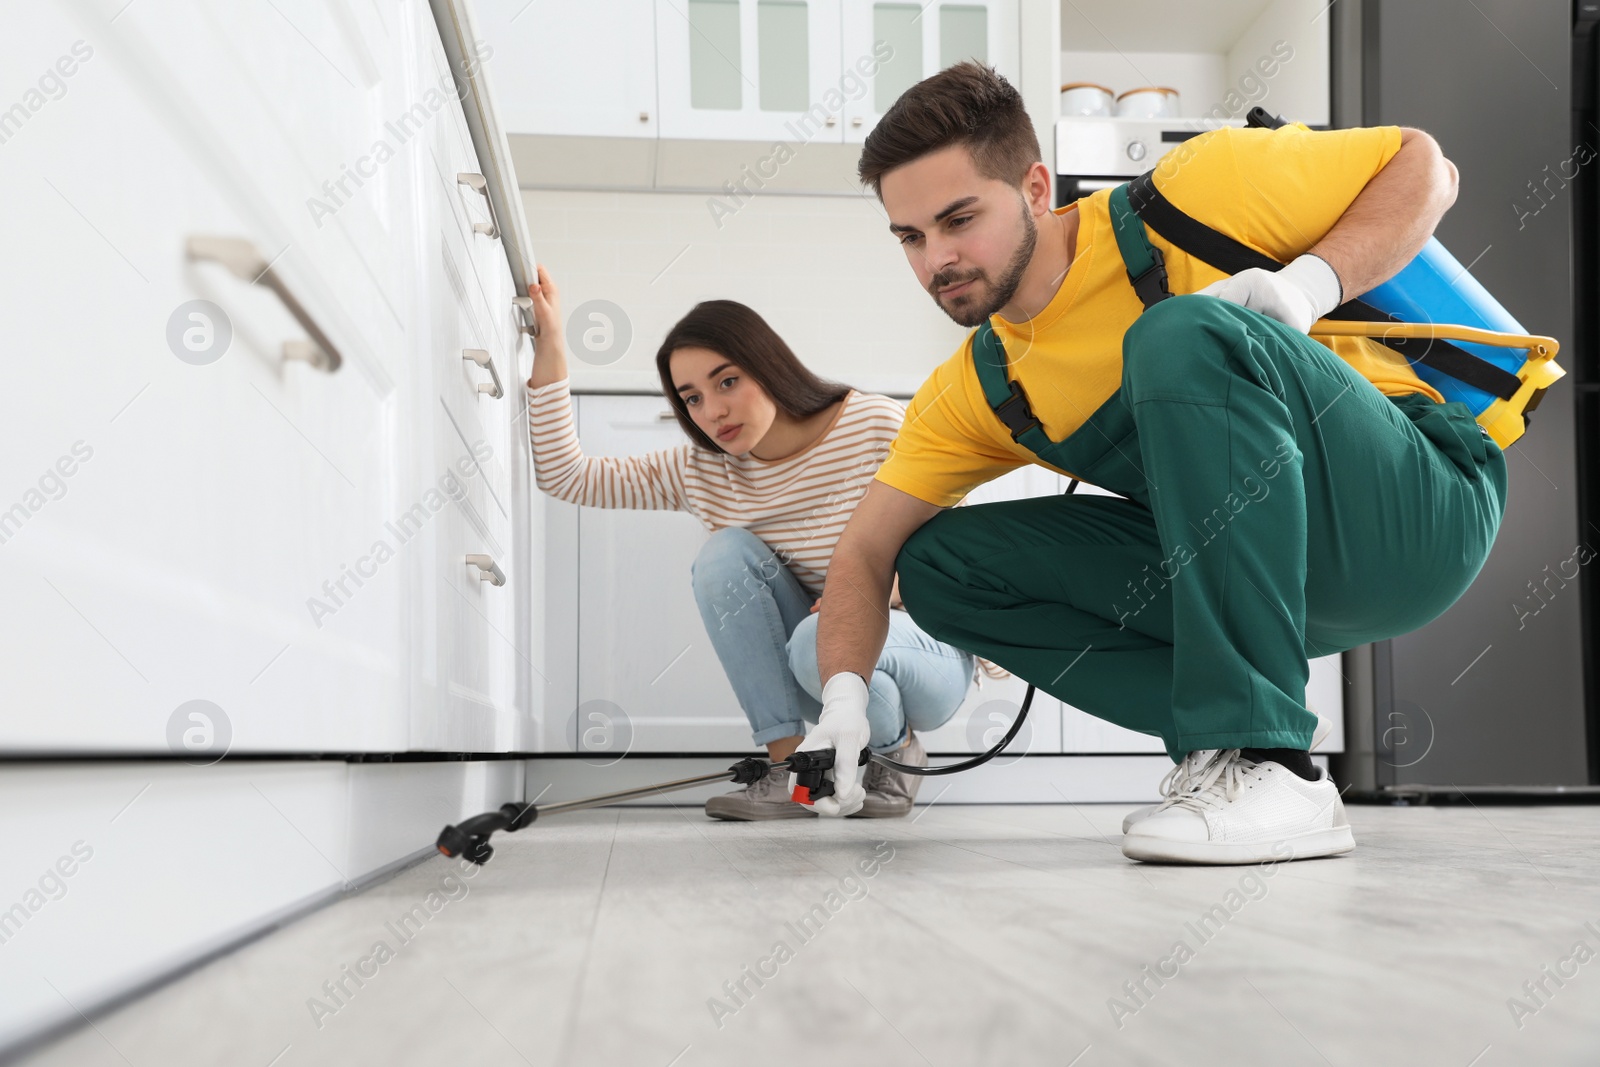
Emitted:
<point x="626" y="425"/>
<point x="215" y="541"/>
<point x="645" y="664"/>
<point x="476" y="709"/>
<point x="644" y="660"/>
<point x="290" y="135"/>
<point x="576" y="88"/>
<point x="466" y="214"/>
<point x="470" y="362"/>
<point x="479" y="466"/>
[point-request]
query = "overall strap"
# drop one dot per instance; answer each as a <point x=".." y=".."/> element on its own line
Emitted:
<point x="1005" y="394"/>
<point x="1147" y="269"/>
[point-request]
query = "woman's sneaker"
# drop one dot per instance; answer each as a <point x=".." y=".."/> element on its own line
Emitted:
<point x="765" y="798"/>
<point x="1240" y="811"/>
<point x="890" y="793"/>
<point x="1177" y="779"/>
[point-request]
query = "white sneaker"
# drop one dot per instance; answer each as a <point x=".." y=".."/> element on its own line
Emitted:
<point x="1174" y="780"/>
<point x="1238" y="811"/>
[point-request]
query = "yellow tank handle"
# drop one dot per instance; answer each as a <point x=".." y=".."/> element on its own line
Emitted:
<point x="1539" y="347"/>
<point x="1505" y="420"/>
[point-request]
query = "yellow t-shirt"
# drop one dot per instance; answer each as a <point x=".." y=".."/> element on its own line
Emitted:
<point x="1278" y="191"/>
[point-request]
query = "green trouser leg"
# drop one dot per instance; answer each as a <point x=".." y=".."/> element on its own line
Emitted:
<point x="1279" y="507"/>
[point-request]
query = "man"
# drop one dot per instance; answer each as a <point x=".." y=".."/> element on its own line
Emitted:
<point x="1280" y="498"/>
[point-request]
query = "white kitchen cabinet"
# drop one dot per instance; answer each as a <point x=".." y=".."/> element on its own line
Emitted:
<point x="201" y="504"/>
<point x="795" y="71"/>
<point x="812" y="70"/>
<point x="284" y="106"/>
<point x="227" y="531"/>
<point x="210" y="502"/>
<point x="906" y="42"/>
<point x="748" y="70"/>
<point x="576" y="69"/>
<point x="648" y="678"/>
<point x="466" y="424"/>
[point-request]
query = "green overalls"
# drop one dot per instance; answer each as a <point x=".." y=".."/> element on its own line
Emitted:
<point x="1278" y="507"/>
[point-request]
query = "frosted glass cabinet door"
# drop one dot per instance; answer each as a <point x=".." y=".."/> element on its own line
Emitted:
<point x="904" y="42"/>
<point x="573" y="67"/>
<point x="750" y="70"/>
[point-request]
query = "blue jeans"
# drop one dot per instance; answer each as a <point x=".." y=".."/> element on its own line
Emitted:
<point x="759" y="618"/>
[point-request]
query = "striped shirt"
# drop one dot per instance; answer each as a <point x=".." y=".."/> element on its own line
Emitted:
<point x="798" y="505"/>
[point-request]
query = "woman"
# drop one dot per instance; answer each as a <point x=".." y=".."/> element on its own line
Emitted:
<point x="776" y="462"/>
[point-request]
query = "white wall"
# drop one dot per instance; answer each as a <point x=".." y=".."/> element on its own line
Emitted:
<point x="823" y="271"/>
<point x="1299" y="89"/>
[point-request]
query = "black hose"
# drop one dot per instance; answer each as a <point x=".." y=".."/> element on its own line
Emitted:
<point x="964" y="765"/>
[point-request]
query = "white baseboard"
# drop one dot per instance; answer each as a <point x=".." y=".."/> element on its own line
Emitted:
<point x="172" y="865"/>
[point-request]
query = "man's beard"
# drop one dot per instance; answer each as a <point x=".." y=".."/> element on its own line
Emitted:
<point x="973" y="314"/>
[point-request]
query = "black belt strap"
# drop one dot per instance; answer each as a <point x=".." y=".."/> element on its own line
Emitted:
<point x="1231" y="257"/>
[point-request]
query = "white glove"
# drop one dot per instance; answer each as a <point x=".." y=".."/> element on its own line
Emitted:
<point x="842" y="726"/>
<point x="1297" y="296"/>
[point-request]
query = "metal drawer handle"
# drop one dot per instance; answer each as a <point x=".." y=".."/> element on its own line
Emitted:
<point x="245" y="262"/>
<point x="481" y="358"/>
<point x="667" y="416"/>
<point x="530" y="324"/>
<point x="488" y="570"/>
<point x="481" y="184"/>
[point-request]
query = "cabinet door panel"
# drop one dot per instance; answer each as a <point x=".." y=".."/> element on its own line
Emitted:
<point x="477" y="656"/>
<point x="299" y="109"/>
<point x="465" y="632"/>
<point x="648" y="678"/>
<point x="750" y="70"/>
<point x="906" y="42"/>
<point x="578" y="69"/>
<point x="210" y="545"/>
<point x="476" y="234"/>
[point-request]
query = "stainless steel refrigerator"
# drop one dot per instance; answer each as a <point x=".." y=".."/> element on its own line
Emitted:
<point x="1491" y="697"/>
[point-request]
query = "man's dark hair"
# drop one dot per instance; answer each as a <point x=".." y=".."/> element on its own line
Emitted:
<point x="967" y="104"/>
<point x="737" y="333"/>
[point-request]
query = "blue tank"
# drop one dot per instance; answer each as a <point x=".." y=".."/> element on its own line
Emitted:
<point x="1435" y="288"/>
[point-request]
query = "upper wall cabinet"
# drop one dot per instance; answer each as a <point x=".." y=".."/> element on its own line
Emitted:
<point x="907" y="42"/>
<point x="812" y="70"/>
<point x="750" y="70"/>
<point x="573" y="68"/>
<point x="746" y="70"/>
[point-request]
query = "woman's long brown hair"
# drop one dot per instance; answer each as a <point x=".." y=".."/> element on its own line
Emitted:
<point x="737" y="333"/>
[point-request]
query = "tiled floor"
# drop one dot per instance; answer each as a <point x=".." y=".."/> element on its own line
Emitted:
<point x="983" y="935"/>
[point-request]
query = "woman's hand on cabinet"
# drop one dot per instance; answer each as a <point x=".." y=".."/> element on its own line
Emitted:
<point x="549" y="348"/>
